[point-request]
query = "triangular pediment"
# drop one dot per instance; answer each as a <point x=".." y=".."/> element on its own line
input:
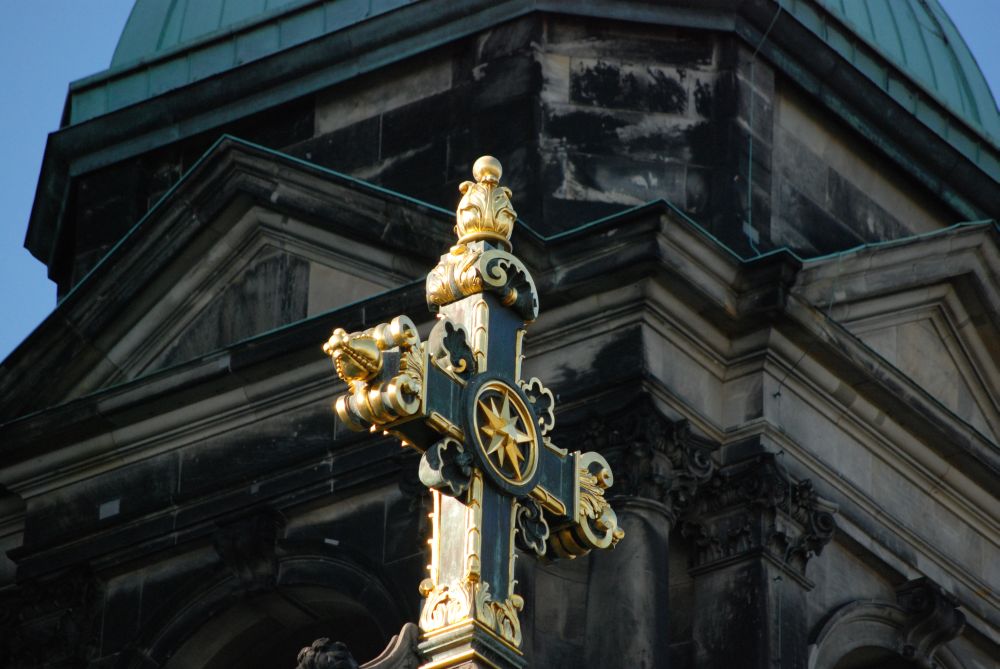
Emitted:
<point x="248" y="242"/>
<point x="930" y="308"/>
<point x="266" y="271"/>
<point x="925" y="341"/>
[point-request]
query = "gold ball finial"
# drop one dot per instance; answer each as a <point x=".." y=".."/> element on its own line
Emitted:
<point x="487" y="169"/>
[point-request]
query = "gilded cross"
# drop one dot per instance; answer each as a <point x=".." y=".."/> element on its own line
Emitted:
<point x="497" y="479"/>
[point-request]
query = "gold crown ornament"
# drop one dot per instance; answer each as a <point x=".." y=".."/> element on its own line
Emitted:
<point x="485" y="211"/>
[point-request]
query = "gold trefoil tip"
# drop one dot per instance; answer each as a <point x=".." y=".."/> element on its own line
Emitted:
<point x="485" y="211"/>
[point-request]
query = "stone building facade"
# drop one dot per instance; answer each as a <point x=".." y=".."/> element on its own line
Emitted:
<point x="764" y="237"/>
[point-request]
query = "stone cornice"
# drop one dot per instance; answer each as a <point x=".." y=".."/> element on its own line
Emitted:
<point x="231" y="173"/>
<point x="655" y="460"/>
<point x="753" y="508"/>
<point x="733" y="295"/>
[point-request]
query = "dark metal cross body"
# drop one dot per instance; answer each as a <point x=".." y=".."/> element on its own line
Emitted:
<point x="497" y="479"/>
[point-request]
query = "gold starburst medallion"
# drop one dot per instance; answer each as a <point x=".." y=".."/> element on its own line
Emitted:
<point x="505" y="429"/>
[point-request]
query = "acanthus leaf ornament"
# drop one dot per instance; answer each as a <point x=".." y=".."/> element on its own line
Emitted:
<point x="485" y="211"/>
<point x="497" y="479"/>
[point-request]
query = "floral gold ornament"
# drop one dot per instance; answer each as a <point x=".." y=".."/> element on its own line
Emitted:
<point x="498" y="481"/>
<point x="485" y="211"/>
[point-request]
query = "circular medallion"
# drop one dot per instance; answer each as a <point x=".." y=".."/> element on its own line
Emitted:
<point x="504" y="434"/>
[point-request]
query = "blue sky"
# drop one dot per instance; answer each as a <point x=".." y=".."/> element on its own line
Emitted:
<point x="46" y="44"/>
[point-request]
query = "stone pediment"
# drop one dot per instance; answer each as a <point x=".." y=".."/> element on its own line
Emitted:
<point x="247" y="242"/>
<point x="921" y="334"/>
<point x="930" y="308"/>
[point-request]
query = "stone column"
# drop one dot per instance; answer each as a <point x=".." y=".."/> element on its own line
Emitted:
<point x="658" y="466"/>
<point x="753" y="531"/>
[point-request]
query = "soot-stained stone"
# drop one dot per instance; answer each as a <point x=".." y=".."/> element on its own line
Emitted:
<point x="753" y="159"/>
<point x="360" y="529"/>
<point x="273" y="291"/>
<point x="708" y="143"/>
<point x="794" y="162"/>
<point x="345" y="149"/>
<point x="511" y="123"/>
<point x="696" y="194"/>
<point x="510" y="37"/>
<point x="123" y="494"/>
<point x="503" y="79"/>
<point x="559" y="214"/>
<point x="420" y="123"/>
<point x="630" y="42"/>
<point x="627" y="179"/>
<point x="620" y="359"/>
<point x="418" y="173"/>
<point x="704" y="99"/>
<point x="405" y="531"/>
<point x="820" y="232"/>
<point x="849" y="204"/>
<point x="107" y="204"/>
<point x="584" y="129"/>
<point x="238" y="457"/>
<point x="650" y="88"/>
<point x="120" y="622"/>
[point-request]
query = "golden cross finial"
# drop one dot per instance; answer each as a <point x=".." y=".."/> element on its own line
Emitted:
<point x="484" y="432"/>
<point x="485" y="211"/>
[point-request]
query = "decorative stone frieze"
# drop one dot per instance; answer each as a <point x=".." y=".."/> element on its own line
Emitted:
<point x="654" y="459"/>
<point x="753" y="507"/>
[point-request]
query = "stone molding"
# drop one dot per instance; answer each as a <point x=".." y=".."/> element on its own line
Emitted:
<point x="657" y="462"/>
<point x="754" y="508"/>
<point x="916" y="627"/>
<point x="933" y="619"/>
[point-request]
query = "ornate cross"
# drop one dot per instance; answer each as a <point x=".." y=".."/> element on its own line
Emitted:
<point x="497" y="479"/>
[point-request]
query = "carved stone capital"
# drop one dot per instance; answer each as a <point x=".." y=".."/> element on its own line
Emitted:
<point x="754" y="508"/>
<point x="654" y="458"/>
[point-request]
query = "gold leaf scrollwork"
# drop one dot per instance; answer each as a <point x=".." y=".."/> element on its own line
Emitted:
<point x="374" y="401"/>
<point x="473" y="269"/>
<point x="597" y="523"/>
<point x="500" y="617"/>
<point x="444" y="604"/>
<point x="480" y="260"/>
<point x="456" y="275"/>
<point x="452" y="603"/>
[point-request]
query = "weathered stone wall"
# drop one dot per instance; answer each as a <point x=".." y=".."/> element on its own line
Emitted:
<point x="588" y="119"/>
<point x="831" y="191"/>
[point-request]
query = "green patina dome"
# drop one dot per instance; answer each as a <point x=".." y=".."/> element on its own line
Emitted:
<point x="918" y="37"/>
<point x="158" y="26"/>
